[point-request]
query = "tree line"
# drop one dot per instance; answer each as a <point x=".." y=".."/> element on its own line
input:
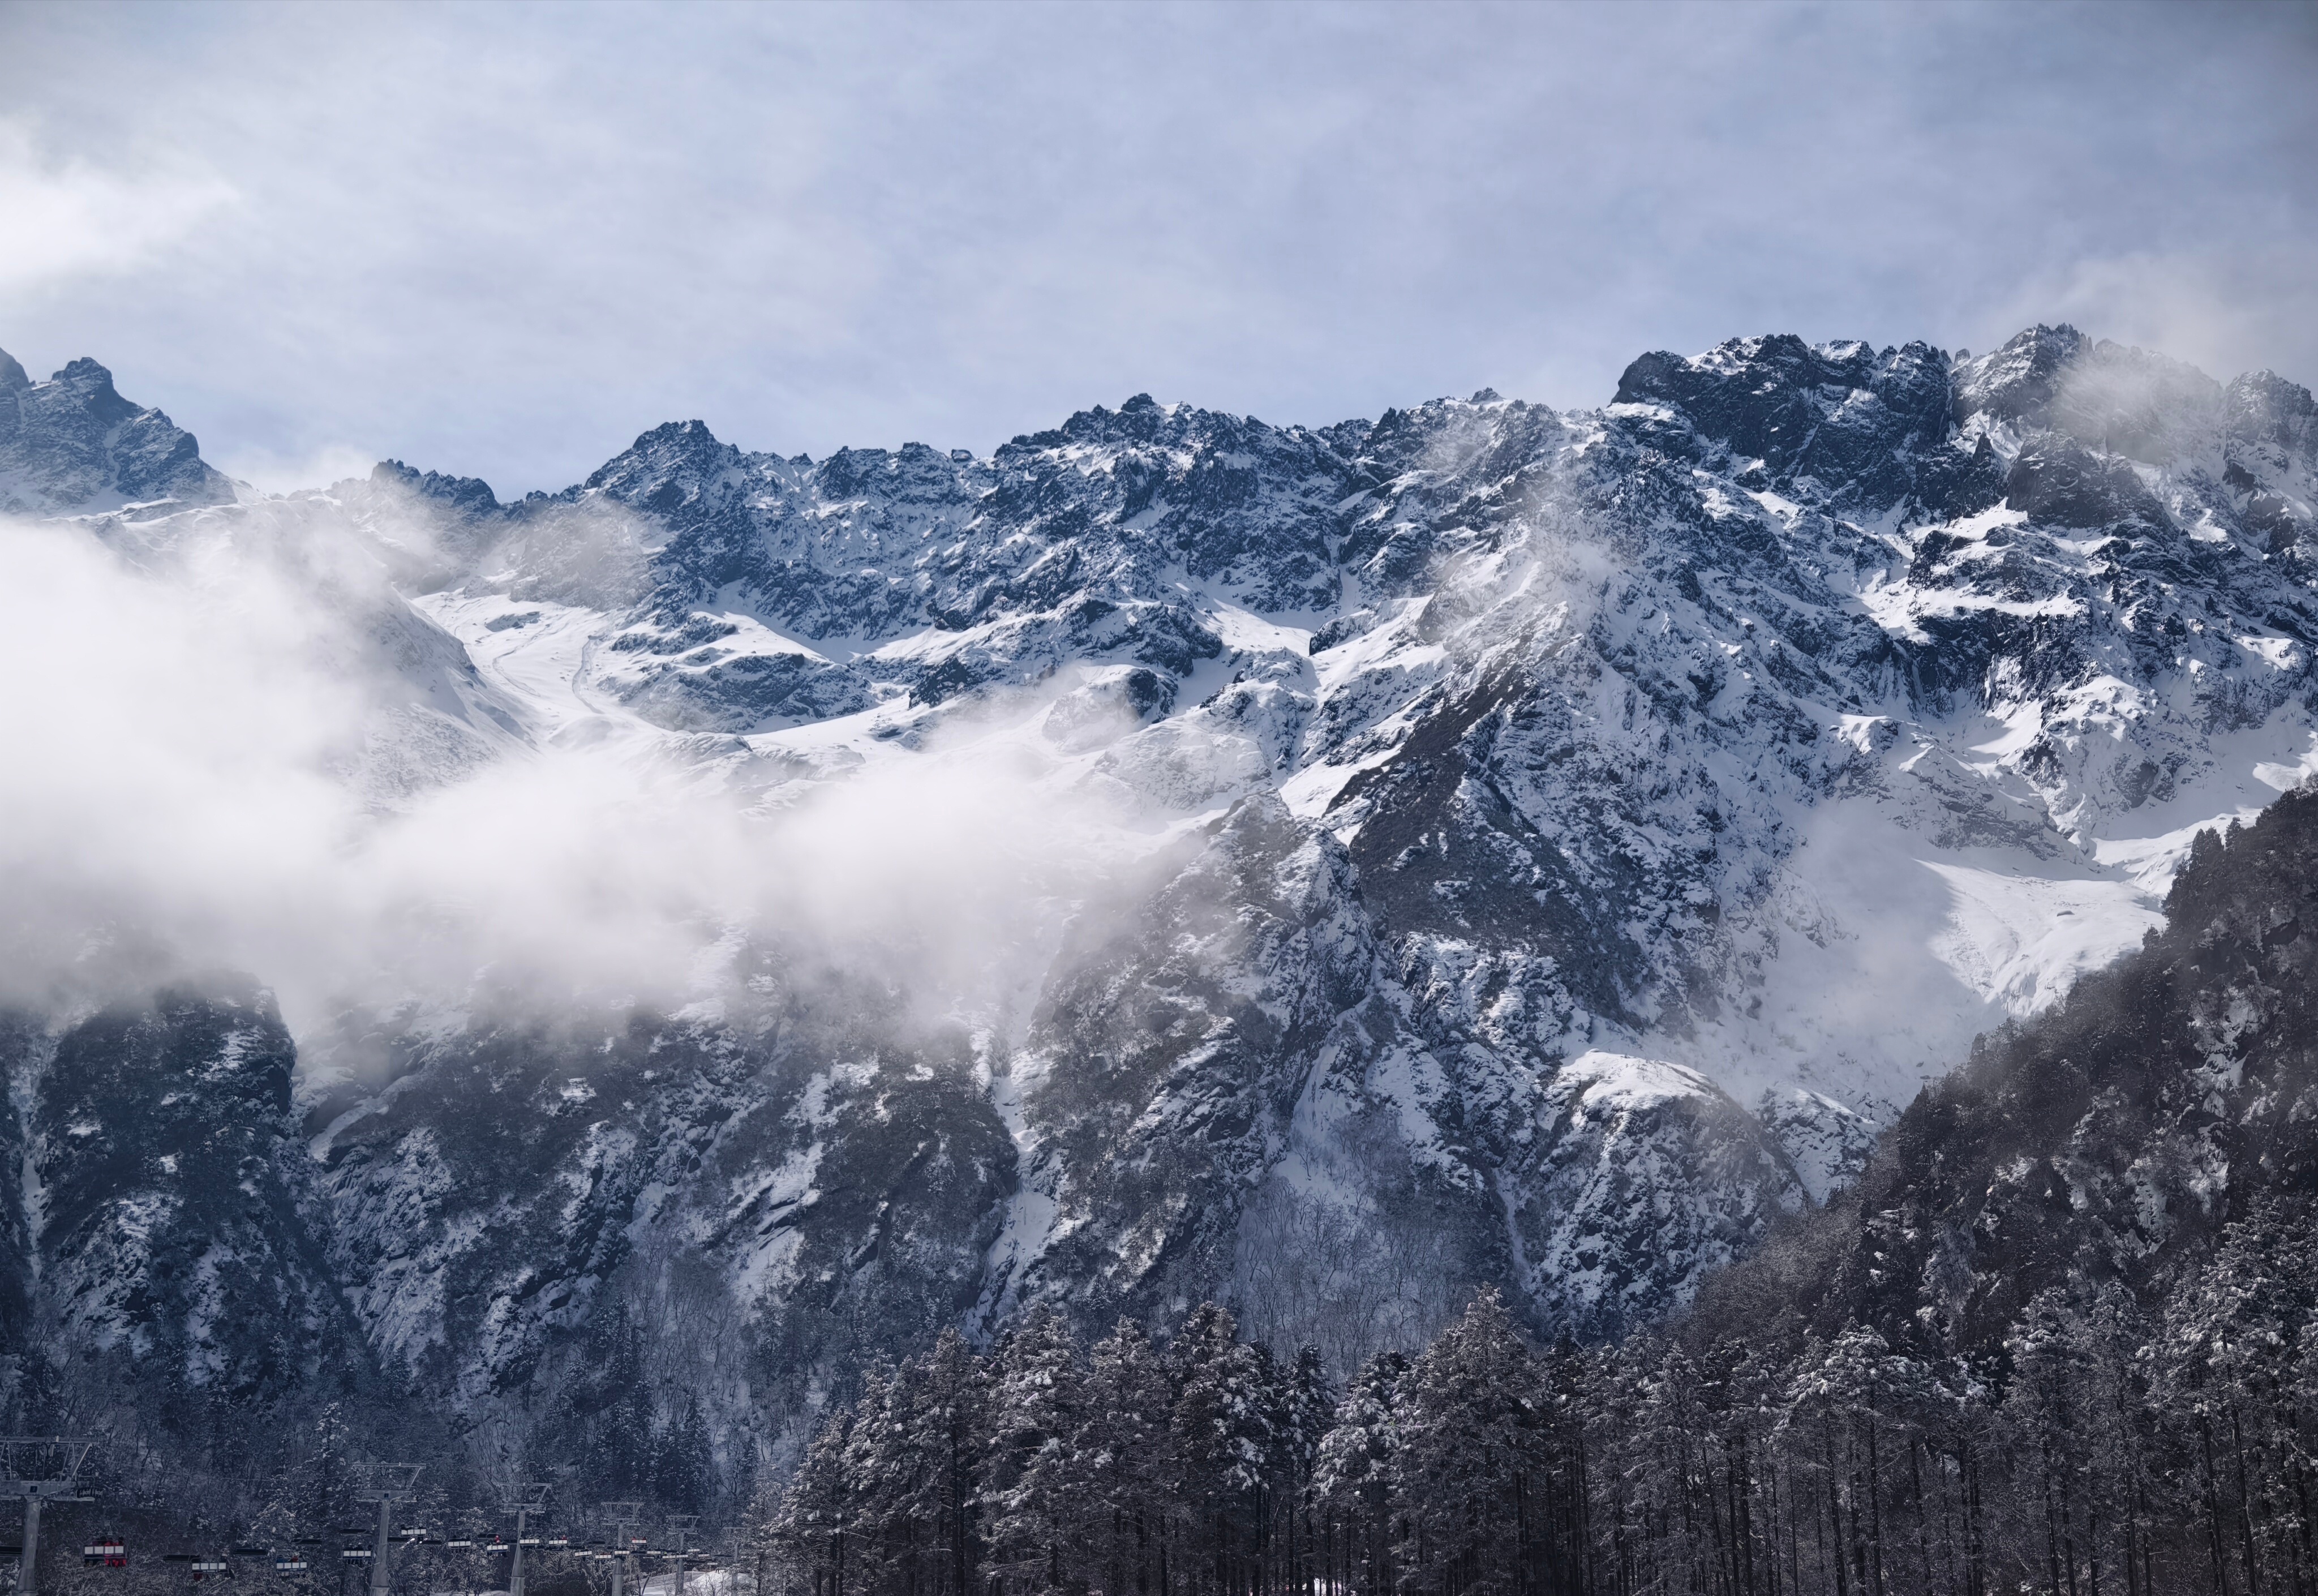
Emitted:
<point x="2105" y="1444"/>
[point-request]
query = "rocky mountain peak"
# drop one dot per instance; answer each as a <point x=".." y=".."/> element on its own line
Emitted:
<point x="670" y="466"/>
<point x="2016" y="380"/>
<point x="73" y="443"/>
<point x="469" y="496"/>
<point x="2263" y="408"/>
<point x="913" y="474"/>
<point x="1866" y="427"/>
<point x="91" y="385"/>
<point x="2107" y="396"/>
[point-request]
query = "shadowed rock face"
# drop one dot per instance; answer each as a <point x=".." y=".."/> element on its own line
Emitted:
<point x="2061" y="482"/>
<point x="1868" y="427"/>
<point x="73" y="443"/>
<point x="166" y="1190"/>
<point x="1585" y="830"/>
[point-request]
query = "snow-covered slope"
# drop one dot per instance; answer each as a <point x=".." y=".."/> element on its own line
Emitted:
<point x="1543" y="845"/>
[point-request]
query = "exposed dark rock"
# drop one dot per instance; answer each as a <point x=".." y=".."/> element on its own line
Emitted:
<point x="73" y="443"/>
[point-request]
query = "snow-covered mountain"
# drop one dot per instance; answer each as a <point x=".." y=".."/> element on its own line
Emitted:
<point x="1537" y="848"/>
<point x="72" y="444"/>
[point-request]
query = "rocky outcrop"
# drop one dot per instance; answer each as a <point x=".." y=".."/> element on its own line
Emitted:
<point x="72" y="444"/>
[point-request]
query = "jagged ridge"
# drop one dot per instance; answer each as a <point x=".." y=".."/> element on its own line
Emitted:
<point x="1603" y="820"/>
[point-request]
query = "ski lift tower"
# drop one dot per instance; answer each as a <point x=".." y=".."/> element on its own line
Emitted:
<point x="40" y="1468"/>
<point x="386" y="1483"/>
<point x="521" y="1501"/>
<point x="684" y="1524"/>
<point x="621" y="1518"/>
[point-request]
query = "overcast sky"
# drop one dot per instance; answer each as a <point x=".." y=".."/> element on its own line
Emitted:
<point x="503" y="241"/>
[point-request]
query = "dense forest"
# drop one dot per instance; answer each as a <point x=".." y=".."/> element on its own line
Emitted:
<point x="2057" y="1338"/>
<point x="2097" y="1445"/>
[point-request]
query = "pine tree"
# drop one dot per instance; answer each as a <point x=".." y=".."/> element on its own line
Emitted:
<point x="760" y="1531"/>
<point x="329" y="1496"/>
<point x="1307" y="1403"/>
<point x="1353" y="1475"/>
<point x="947" y="1418"/>
<point x="1475" y="1462"/>
<point x="817" y="1517"/>
<point x="1223" y="1431"/>
<point x="1126" y="1443"/>
<point x="682" y="1464"/>
<point x="621" y="1435"/>
<point x="1031" y="1475"/>
<point x="885" y="1472"/>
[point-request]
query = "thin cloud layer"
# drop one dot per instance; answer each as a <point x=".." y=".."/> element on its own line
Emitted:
<point x="177" y="797"/>
<point x="70" y="219"/>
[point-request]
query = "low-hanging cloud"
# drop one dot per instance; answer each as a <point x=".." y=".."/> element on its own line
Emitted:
<point x="2224" y="309"/>
<point x="73" y="220"/>
<point x="175" y="798"/>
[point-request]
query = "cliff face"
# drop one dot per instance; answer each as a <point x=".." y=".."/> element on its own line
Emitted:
<point x="1559" y="842"/>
